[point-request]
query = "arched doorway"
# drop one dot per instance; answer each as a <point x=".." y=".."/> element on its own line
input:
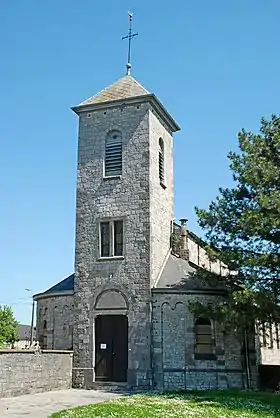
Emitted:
<point x="111" y="347"/>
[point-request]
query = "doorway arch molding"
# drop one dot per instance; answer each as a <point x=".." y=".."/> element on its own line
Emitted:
<point x="111" y="299"/>
<point x="102" y="291"/>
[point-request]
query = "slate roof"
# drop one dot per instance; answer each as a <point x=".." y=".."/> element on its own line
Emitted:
<point x="23" y="332"/>
<point x="123" y="88"/>
<point x="178" y="274"/>
<point x="66" y="284"/>
<point x="181" y="274"/>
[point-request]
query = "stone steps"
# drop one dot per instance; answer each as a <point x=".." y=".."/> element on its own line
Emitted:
<point x="110" y="386"/>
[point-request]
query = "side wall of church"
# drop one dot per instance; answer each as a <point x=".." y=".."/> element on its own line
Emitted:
<point x="198" y="255"/>
<point x="173" y="339"/>
<point x="161" y="213"/>
<point x="54" y="326"/>
<point x="268" y="344"/>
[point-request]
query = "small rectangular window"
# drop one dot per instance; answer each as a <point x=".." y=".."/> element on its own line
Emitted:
<point x="111" y="239"/>
<point x="203" y="336"/>
<point x="161" y="167"/>
<point x="270" y="336"/>
<point x="277" y="334"/>
<point x="161" y="161"/>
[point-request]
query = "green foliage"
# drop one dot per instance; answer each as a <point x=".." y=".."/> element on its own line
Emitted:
<point x="8" y="326"/>
<point x="242" y="227"/>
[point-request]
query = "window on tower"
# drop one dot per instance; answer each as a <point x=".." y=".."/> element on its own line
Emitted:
<point x="113" y="154"/>
<point x="161" y="162"/>
<point x="111" y="238"/>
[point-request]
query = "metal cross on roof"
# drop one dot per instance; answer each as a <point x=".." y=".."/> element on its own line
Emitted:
<point x="129" y="37"/>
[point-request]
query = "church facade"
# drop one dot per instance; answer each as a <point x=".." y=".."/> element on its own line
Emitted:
<point x="124" y="311"/>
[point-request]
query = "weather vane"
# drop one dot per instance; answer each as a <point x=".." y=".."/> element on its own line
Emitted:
<point x="129" y="37"/>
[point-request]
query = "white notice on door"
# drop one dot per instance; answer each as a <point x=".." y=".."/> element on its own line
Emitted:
<point x="103" y="346"/>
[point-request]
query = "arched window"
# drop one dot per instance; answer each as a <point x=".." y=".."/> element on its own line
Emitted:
<point x="203" y="336"/>
<point x="65" y="328"/>
<point x="161" y="161"/>
<point x="71" y="337"/>
<point x="45" y="335"/>
<point x="113" y="154"/>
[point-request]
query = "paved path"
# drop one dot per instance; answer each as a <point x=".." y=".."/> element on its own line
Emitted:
<point x="42" y="405"/>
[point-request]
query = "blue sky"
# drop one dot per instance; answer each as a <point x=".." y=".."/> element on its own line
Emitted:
<point x="215" y="66"/>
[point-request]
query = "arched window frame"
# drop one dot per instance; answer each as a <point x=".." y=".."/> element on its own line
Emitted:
<point x="44" y="338"/>
<point x="204" y="341"/>
<point x="113" y="154"/>
<point x="161" y="163"/>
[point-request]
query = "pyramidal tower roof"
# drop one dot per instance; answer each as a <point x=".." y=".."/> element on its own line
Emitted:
<point x="123" y="88"/>
<point x="126" y="89"/>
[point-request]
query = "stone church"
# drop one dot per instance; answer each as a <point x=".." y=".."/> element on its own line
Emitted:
<point x="124" y="311"/>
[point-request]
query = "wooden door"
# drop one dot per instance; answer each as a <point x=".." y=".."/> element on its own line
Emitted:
<point x="111" y="348"/>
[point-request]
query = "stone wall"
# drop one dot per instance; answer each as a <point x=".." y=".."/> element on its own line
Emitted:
<point x="175" y="365"/>
<point x="270" y="356"/>
<point x="198" y="255"/>
<point x="25" y="371"/>
<point x="268" y="344"/>
<point x="161" y="196"/>
<point x="98" y="198"/>
<point x="55" y="322"/>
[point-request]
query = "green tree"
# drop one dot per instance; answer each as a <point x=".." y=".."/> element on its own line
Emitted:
<point x="242" y="229"/>
<point x="8" y="326"/>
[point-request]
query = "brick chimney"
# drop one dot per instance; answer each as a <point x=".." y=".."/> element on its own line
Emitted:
<point x="184" y="252"/>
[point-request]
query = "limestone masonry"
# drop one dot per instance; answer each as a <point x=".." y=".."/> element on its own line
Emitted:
<point x="125" y="309"/>
<point x="25" y="371"/>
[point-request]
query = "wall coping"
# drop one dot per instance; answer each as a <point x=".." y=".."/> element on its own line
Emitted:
<point x="205" y="292"/>
<point x="45" y="295"/>
<point x="57" y="351"/>
<point x="150" y="98"/>
<point x="15" y="351"/>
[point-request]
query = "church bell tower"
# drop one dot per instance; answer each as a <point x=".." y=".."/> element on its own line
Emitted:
<point x="124" y="210"/>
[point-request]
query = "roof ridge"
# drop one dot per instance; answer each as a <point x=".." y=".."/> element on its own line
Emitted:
<point x="137" y="82"/>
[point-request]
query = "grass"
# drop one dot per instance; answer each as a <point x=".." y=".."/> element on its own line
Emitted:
<point x="204" y="404"/>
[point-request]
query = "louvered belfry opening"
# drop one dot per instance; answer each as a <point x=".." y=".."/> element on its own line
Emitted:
<point x="161" y="161"/>
<point x="113" y="154"/>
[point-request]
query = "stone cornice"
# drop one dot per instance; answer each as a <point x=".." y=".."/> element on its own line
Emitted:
<point x="202" y="292"/>
<point x="150" y="98"/>
<point x="39" y="296"/>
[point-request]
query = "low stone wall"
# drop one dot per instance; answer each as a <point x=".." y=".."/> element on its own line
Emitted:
<point x="27" y="371"/>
